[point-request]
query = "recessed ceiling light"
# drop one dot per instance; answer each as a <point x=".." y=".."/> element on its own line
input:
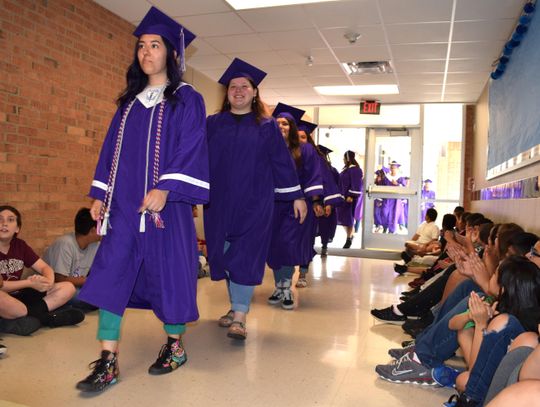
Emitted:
<point x="247" y="4"/>
<point x="358" y="90"/>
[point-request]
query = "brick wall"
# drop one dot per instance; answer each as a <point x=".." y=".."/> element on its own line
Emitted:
<point x="63" y="63"/>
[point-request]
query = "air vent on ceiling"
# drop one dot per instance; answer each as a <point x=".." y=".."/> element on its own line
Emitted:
<point x="370" y="67"/>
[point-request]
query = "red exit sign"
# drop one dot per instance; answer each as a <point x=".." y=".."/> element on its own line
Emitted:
<point x="370" y="107"/>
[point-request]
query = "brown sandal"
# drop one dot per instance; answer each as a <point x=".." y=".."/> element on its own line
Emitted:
<point x="226" y="320"/>
<point x="237" y="330"/>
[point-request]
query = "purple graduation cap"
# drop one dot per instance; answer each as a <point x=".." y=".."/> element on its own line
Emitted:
<point x="241" y="69"/>
<point x="157" y="22"/>
<point x="427" y="181"/>
<point x="307" y="127"/>
<point x="289" y="112"/>
<point x="395" y="163"/>
<point x="323" y="149"/>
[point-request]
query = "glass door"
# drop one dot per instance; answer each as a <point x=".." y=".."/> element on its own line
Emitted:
<point x="392" y="184"/>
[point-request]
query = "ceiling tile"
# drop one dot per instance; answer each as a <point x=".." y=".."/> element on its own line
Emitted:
<point x="421" y="79"/>
<point x="357" y="54"/>
<point x="470" y="77"/>
<point x="268" y="58"/>
<point x="134" y="13"/>
<point x="238" y="43"/>
<point x="418" y="33"/>
<point x="320" y="70"/>
<point x="487" y="49"/>
<point x="297" y="91"/>
<point x="212" y="25"/>
<point x="399" y="11"/>
<point x="470" y="65"/>
<point x="328" y="80"/>
<point x="371" y="35"/>
<point x="299" y="40"/>
<point x="207" y="62"/>
<point x="488" y="9"/>
<point x="280" y="71"/>
<point x="279" y="83"/>
<point x="419" y="51"/>
<point x="384" y="79"/>
<point x="276" y="18"/>
<point x="200" y="47"/>
<point x="483" y="30"/>
<point x="176" y="8"/>
<point x="346" y="14"/>
<point x="426" y="65"/>
<point x="320" y="56"/>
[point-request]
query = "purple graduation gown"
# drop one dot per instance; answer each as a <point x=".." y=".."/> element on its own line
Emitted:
<point x="391" y="211"/>
<point x="250" y="168"/>
<point x="292" y="242"/>
<point x="332" y="196"/>
<point x="424" y="206"/>
<point x="155" y="269"/>
<point x="350" y="183"/>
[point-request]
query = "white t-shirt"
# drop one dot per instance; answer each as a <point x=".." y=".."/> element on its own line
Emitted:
<point x="66" y="257"/>
<point x="427" y="232"/>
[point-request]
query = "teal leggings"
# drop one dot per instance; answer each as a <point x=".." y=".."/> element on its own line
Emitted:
<point x="109" y="327"/>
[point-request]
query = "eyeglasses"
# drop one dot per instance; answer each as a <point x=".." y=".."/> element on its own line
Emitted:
<point x="534" y="252"/>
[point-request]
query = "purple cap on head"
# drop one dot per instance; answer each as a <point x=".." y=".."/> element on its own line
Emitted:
<point x="395" y="164"/>
<point x="323" y="149"/>
<point x="428" y="181"/>
<point x="157" y="22"/>
<point x="289" y="112"/>
<point x="241" y="69"/>
<point x="306" y="126"/>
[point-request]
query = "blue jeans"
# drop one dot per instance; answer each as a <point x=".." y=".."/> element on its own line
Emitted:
<point x="239" y="295"/>
<point x="283" y="273"/>
<point x="461" y="291"/>
<point x="492" y="350"/>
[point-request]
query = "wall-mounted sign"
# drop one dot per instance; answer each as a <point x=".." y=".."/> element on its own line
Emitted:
<point x="370" y="107"/>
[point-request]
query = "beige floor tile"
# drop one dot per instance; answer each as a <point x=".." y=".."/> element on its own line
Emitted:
<point x="321" y="354"/>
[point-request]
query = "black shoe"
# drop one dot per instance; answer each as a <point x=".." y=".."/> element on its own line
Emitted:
<point x="171" y="357"/>
<point x="400" y="268"/>
<point x="65" y="317"/>
<point x="405" y="344"/>
<point x="405" y="257"/>
<point x="324" y="251"/>
<point x="23" y="326"/>
<point x="348" y="243"/>
<point x="461" y="400"/>
<point x="388" y="315"/>
<point x="105" y="373"/>
<point x="411" y="293"/>
<point x="414" y="327"/>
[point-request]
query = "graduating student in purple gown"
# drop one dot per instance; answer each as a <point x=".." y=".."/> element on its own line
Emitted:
<point x="427" y="193"/>
<point x="331" y="197"/>
<point x="391" y="211"/>
<point x="292" y="242"/>
<point x="378" y="203"/>
<point x="152" y="167"/>
<point x="350" y="183"/>
<point x="250" y="169"/>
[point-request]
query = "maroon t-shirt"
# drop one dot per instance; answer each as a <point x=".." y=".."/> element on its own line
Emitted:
<point x="18" y="256"/>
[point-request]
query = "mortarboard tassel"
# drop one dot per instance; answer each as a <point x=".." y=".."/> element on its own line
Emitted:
<point x="103" y="225"/>
<point x="182" y="52"/>
<point x="142" y="224"/>
<point x="156" y="217"/>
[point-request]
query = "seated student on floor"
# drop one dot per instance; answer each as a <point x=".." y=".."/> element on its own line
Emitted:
<point x="427" y="232"/>
<point x="38" y="295"/>
<point x="72" y="254"/>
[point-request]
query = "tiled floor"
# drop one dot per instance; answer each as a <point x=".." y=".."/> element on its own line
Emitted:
<point x="321" y="354"/>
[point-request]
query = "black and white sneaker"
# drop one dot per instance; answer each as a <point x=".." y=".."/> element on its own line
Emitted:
<point x="288" y="299"/>
<point x="3" y="349"/>
<point x="276" y="297"/>
<point x="406" y="370"/>
<point x="400" y="268"/>
<point x="388" y="315"/>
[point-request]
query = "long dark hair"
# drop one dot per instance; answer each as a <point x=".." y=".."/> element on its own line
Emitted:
<point x="293" y="142"/>
<point x="519" y="286"/>
<point x="137" y="80"/>
<point x="257" y="105"/>
<point x="349" y="159"/>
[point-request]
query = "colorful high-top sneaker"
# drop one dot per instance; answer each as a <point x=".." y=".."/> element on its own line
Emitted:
<point x="171" y="357"/>
<point x="105" y="373"/>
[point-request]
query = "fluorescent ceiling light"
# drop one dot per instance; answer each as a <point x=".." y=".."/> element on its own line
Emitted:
<point x="247" y="4"/>
<point x="358" y="90"/>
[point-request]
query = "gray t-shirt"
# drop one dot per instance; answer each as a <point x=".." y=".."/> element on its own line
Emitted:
<point x="66" y="257"/>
